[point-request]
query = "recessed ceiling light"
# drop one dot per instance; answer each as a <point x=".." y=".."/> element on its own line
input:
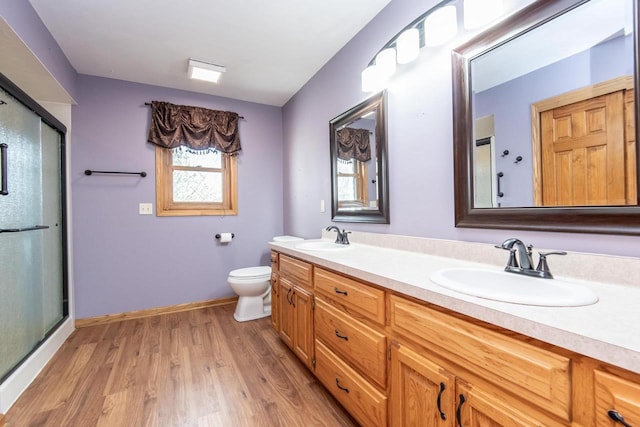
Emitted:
<point x="199" y="70"/>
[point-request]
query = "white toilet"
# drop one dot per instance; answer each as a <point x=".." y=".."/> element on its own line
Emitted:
<point x="252" y="285"/>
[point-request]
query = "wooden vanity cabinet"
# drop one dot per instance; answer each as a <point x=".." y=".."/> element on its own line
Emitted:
<point x="392" y="360"/>
<point x="295" y="301"/>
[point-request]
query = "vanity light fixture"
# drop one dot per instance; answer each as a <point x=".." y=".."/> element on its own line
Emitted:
<point x="199" y="70"/>
<point x="441" y="26"/>
<point x="480" y="12"/>
<point x="435" y="27"/>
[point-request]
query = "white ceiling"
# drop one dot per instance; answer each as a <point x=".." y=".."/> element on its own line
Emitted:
<point x="270" y="48"/>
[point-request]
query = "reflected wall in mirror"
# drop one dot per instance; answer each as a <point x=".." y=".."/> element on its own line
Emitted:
<point x="544" y="120"/>
<point x="359" y="163"/>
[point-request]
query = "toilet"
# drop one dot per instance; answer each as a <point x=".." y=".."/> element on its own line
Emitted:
<point x="252" y="285"/>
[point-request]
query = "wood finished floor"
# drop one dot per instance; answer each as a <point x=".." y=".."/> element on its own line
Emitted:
<point x="196" y="368"/>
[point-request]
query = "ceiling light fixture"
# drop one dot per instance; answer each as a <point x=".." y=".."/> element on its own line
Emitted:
<point x="199" y="70"/>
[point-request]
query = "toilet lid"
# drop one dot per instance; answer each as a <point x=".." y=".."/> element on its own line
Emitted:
<point x="251" y="272"/>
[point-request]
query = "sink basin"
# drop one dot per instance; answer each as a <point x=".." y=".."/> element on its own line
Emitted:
<point x="321" y="246"/>
<point x="514" y="288"/>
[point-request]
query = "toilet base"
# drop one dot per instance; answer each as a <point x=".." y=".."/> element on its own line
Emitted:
<point x="251" y="308"/>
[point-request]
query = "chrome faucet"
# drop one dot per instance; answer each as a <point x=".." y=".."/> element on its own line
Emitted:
<point x="342" y="237"/>
<point x="523" y="264"/>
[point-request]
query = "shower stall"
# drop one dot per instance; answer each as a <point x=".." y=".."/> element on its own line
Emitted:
<point x="33" y="245"/>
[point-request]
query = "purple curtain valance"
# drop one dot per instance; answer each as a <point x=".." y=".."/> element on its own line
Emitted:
<point x="353" y="144"/>
<point x="197" y="128"/>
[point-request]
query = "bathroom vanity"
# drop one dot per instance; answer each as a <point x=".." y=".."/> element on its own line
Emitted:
<point x="396" y="349"/>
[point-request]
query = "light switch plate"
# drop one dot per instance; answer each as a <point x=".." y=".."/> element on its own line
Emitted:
<point x="146" y="208"/>
<point x="322" y="206"/>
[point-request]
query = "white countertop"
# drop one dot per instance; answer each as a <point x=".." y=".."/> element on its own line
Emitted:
<point x="608" y="330"/>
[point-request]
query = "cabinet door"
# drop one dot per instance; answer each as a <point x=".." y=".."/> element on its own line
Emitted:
<point x="422" y="393"/>
<point x="275" y="303"/>
<point x="286" y="311"/>
<point x="478" y="408"/>
<point x="613" y="393"/>
<point x="302" y="324"/>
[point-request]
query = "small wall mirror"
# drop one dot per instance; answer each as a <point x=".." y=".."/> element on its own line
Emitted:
<point x="358" y="138"/>
<point x="544" y="120"/>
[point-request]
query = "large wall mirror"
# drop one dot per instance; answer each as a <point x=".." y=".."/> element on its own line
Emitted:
<point x="358" y="138"/>
<point x="545" y="120"/>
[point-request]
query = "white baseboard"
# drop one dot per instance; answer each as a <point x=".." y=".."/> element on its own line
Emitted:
<point x="18" y="382"/>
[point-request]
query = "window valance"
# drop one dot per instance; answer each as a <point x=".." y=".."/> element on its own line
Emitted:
<point x="196" y="128"/>
<point x="353" y="144"/>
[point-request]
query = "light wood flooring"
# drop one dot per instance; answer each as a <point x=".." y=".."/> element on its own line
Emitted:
<point x="196" y="368"/>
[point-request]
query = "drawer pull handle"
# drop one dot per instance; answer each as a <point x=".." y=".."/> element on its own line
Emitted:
<point x="342" y="337"/>
<point x="338" y="291"/>
<point x="615" y="416"/>
<point x="443" y="416"/>
<point x="459" y="410"/>
<point x="346" y="390"/>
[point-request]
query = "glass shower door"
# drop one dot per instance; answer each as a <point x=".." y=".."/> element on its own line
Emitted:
<point x="31" y="252"/>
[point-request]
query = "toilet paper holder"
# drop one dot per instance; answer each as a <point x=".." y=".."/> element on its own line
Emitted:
<point x="217" y="236"/>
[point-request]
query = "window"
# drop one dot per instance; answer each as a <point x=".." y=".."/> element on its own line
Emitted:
<point x="352" y="183"/>
<point x="192" y="183"/>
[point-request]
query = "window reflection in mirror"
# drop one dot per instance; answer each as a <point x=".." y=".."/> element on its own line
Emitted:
<point x="561" y="97"/>
<point x="358" y="163"/>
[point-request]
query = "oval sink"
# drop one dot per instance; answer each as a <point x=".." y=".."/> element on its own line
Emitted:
<point x="514" y="288"/>
<point x="321" y="246"/>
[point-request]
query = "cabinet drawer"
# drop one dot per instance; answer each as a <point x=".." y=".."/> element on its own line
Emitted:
<point x="535" y="374"/>
<point x="298" y="271"/>
<point x="617" y="394"/>
<point x="363" y="401"/>
<point x="355" y="296"/>
<point x="361" y="346"/>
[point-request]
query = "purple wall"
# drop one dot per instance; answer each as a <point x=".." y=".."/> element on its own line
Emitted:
<point x="125" y="261"/>
<point x="27" y="24"/>
<point x="419" y="139"/>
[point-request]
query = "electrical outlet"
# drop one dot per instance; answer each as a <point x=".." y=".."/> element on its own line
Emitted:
<point x="322" y="206"/>
<point x="146" y="208"/>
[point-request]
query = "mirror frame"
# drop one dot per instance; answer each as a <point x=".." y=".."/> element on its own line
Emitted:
<point x="378" y="103"/>
<point x="623" y="220"/>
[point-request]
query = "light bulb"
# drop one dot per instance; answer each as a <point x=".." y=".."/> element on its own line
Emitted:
<point x="408" y="46"/>
<point x="440" y="26"/>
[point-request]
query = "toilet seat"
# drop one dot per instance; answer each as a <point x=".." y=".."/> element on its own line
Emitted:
<point x="251" y="273"/>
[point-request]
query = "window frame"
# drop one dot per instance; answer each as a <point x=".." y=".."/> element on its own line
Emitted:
<point x="165" y="206"/>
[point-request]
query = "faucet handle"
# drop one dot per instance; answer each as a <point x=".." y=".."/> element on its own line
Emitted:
<point x="513" y="261"/>
<point x="345" y="236"/>
<point x="543" y="266"/>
